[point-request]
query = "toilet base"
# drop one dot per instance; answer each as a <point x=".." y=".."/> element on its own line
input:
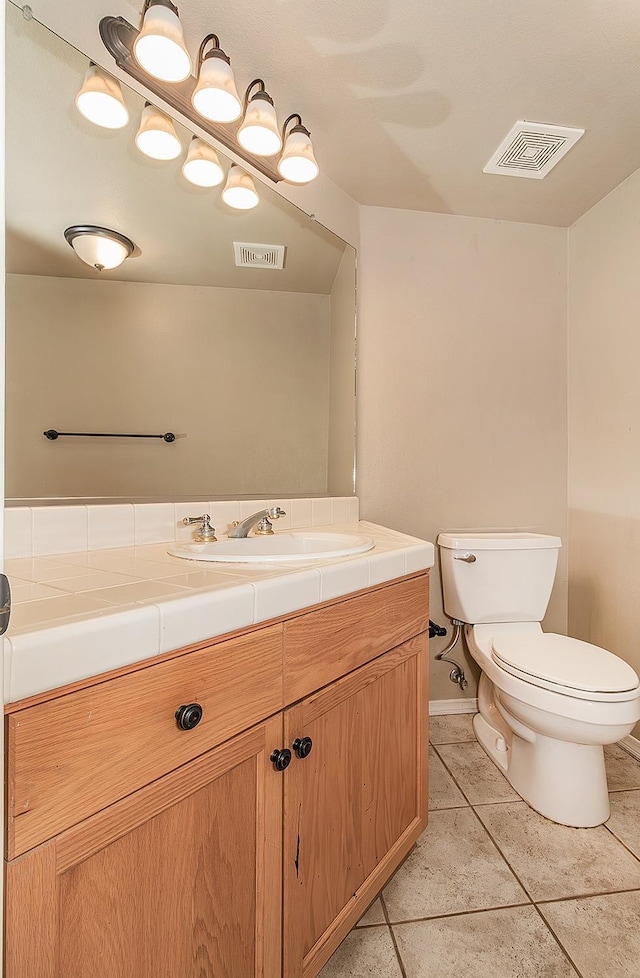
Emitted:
<point x="565" y="782"/>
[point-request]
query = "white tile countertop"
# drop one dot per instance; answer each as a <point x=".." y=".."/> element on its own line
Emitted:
<point x="76" y="615"/>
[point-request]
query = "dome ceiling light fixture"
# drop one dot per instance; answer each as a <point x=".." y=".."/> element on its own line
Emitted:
<point x="100" y="99"/>
<point x="211" y="101"/>
<point x="159" y="47"/>
<point x="102" y="248"/>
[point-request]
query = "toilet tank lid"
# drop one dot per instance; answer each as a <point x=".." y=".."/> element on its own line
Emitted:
<point x="498" y="541"/>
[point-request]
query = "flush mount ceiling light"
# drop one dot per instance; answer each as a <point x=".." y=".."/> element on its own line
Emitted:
<point x="156" y="136"/>
<point x="159" y="47"/>
<point x="100" y="99"/>
<point x="239" y="190"/>
<point x="297" y="163"/>
<point x="212" y="103"/>
<point x="202" y="166"/>
<point x="259" y="131"/>
<point x="99" y="247"/>
<point x="215" y="96"/>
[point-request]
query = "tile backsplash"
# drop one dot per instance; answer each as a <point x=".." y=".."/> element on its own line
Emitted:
<point x="38" y="531"/>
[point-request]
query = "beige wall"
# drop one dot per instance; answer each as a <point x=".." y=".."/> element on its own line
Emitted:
<point x="342" y="404"/>
<point x="240" y="375"/>
<point x="604" y="419"/>
<point x="462" y="382"/>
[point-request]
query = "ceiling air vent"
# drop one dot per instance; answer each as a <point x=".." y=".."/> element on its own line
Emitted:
<point x="532" y="149"/>
<point x="258" y="255"/>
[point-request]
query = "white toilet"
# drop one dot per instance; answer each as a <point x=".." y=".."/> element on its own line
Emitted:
<point x="547" y="703"/>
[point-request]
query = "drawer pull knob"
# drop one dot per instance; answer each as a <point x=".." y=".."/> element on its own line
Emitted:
<point x="189" y="716"/>
<point x="281" y="759"/>
<point x="302" y="746"/>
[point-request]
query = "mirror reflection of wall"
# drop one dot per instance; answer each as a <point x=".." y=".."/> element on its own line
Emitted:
<point x="252" y="368"/>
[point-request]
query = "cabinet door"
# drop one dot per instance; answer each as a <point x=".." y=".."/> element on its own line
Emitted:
<point x="180" y="879"/>
<point x="356" y="804"/>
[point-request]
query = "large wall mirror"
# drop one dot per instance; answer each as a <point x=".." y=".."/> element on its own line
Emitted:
<point x="251" y="368"/>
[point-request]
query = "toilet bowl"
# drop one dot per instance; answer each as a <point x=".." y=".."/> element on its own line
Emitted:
<point x="547" y="731"/>
<point x="547" y="703"/>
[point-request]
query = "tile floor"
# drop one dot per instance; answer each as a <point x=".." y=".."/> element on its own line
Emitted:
<point x="494" y="890"/>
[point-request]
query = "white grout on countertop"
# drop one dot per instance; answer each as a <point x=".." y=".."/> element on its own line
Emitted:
<point x="76" y="615"/>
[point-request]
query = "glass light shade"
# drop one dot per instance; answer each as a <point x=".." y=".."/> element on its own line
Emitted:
<point x="159" y="47"/>
<point x="215" y="96"/>
<point x="100" y="100"/>
<point x="259" y="132"/>
<point x="202" y="166"/>
<point x="156" y="136"/>
<point x="297" y="163"/>
<point x="99" y="247"/>
<point x="239" y="190"/>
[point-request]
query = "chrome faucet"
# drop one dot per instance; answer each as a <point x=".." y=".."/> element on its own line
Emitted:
<point x="260" y="520"/>
<point x="206" y="533"/>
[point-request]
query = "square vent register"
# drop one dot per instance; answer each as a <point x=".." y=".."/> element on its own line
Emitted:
<point x="532" y="149"/>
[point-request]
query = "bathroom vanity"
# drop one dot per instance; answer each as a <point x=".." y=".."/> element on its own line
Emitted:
<point x="247" y="844"/>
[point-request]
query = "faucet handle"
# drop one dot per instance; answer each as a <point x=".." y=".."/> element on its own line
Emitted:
<point x="276" y="512"/>
<point x="206" y="533"/>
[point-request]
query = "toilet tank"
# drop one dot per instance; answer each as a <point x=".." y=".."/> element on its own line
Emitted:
<point x="510" y="578"/>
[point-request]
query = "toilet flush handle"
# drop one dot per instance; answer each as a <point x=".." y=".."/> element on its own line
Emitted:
<point x="468" y="558"/>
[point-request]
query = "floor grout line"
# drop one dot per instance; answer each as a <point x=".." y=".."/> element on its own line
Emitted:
<point x="393" y="937"/>
<point x="502" y="854"/>
<point x="450" y="808"/>
<point x="503" y="801"/>
<point x="458" y="913"/>
<point x="622" y="842"/>
<point x="451" y="743"/>
<point x="558" y="941"/>
<point x="451" y="775"/>
<point x="588" y="896"/>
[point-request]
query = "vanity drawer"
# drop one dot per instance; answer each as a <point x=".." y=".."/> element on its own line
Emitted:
<point x="74" y="755"/>
<point x="323" y="645"/>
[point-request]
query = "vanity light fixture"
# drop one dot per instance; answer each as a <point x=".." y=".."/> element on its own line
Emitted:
<point x="202" y="166"/>
<point x="99" y="247"/>
<point x="211" y="101"/>
<point x="215" y="96"/>
<point x="100" y="99"/>
<point x="239" y="190"/>
<point x="156" y="136"/>
<point x="259" y="131"/>
<point x="159" y="47"/>
<point x="297" y="163"/>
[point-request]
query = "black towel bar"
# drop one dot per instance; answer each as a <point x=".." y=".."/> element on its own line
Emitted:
<point x="52" y="434"/>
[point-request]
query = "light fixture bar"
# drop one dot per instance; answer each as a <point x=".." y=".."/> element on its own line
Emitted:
<point x="118" y="36"/>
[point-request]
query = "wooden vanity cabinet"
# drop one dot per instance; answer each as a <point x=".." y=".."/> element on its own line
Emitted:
<point x="354" y="806"/>
<point x="224" y="867"/>
<point x="181" y="878"/>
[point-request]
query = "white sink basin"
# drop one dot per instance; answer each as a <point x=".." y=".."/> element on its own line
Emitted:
<point x="305" y="545"/>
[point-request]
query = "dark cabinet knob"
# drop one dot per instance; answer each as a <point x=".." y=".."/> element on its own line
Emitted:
<point x="302" y="746"/>
<point x="189" y="716"/>
<point x="281" y="759"/>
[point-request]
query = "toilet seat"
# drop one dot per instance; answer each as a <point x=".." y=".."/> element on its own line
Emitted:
<point x="566" y="665"/>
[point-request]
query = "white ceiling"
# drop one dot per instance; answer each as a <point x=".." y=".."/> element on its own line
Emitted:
<point x="408" y="99"/>
<point x="62" y="170"/>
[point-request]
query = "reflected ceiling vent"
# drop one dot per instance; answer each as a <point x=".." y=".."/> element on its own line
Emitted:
<point x="258" y="255"/>
<point x="532" y="149"/>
